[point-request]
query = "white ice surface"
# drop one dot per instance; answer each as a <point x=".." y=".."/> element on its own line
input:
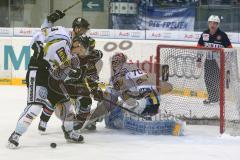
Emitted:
<point x="200" y="142"/>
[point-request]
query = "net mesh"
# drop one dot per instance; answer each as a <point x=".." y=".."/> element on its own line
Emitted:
<point x="198" y="78"/>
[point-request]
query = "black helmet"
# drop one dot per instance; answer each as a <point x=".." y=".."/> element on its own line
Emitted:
<point x="83" y="40"/>
<point x="80" y="22"/>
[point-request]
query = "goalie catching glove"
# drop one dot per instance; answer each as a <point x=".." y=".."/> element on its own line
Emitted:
<point x="56" y="15"/>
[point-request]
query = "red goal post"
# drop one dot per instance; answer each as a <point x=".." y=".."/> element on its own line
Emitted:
<point x="181" y="62"/>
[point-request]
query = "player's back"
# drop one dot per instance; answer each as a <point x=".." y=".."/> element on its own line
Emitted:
<point x="58" y="33"/>
<point x="57" y="48"/>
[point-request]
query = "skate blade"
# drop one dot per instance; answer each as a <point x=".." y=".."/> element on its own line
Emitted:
<point x="42" y="132"/>
<point x="85" y="131"/>
<point x="75" y="142"/>
<point x="12" y="146"/>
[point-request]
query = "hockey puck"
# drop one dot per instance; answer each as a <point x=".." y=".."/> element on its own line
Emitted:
<point x="53" y="145"/>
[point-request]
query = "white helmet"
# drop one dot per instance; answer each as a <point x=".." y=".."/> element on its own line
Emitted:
<point x="214" y="18"/>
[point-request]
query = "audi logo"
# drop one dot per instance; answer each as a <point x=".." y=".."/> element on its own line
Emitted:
<point x="111" y="46"/>
<point x="185" y="65"/>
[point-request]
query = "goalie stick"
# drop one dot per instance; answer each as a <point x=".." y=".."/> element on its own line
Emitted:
<point x="99" y="112"/>
<point x="102" y="110"/>
<point x="120" y="105"/>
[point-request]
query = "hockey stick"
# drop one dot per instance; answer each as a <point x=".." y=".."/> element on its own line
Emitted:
<point x="65" y="10"/>
<point x="119" y="104"/>
<point x="101" y="111"/>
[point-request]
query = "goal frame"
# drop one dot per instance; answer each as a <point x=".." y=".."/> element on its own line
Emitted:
<point x="222" y="76"/>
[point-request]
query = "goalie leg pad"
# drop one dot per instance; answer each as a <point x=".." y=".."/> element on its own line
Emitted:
<point x="160" y="127"/>
<point x="179" y="128"/>
<point x="114" y="119"/>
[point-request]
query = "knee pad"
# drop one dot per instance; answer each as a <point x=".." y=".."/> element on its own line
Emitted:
<point x="83" y="104"/>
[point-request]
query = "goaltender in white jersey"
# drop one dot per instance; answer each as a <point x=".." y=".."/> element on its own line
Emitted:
<point x="139" y="93"/>
<point x="132" y="84"/>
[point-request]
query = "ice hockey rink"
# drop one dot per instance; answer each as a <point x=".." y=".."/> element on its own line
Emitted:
<point x="199" y="143"/>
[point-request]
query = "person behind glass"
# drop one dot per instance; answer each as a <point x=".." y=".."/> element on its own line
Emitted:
<point x="213" y="37"/>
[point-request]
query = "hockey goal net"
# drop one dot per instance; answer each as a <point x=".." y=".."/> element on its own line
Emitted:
<point x="198" y="74"/>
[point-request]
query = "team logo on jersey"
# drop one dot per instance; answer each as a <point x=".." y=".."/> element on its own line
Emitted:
<point x="219" y="37"/>
<point x="62" y="54"/>
<point x="213" y="45"/>
<point x="43" y="93"/>
<point x="206" y="37"/>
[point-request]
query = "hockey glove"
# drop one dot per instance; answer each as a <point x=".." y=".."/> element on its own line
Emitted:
<point x="56" y="15"/>
<point x="97" y="94"/>
<point x="37" y="55"/>
<point x="73" y="76"/>
<point x="95" y="56"/>
<point x="37" y="47"/>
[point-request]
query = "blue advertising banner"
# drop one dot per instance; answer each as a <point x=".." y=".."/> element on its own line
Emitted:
<point x="177" y="19"/>
<point x="152" y="17"/>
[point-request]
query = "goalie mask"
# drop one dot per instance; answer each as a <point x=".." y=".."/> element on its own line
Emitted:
<point x="118" y="60"/>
